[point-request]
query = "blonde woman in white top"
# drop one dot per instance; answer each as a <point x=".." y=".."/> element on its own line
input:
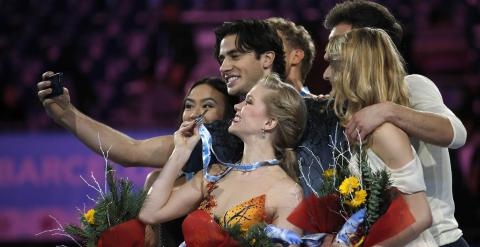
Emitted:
<point x="367" y="69"/>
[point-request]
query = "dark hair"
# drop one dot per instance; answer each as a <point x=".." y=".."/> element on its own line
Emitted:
<point x="360" y="13"/>
<point x="221" y="87"/>
<point x="297" y="37"/>
<point x="254" y="35"/>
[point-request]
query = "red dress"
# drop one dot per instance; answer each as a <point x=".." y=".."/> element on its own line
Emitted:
<point x="200" y="229"/>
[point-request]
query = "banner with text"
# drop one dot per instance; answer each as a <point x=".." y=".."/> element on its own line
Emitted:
<point x="40" y="177"/>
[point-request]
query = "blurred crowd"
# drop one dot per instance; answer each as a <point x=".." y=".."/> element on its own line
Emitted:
<point x="127" y="63"/>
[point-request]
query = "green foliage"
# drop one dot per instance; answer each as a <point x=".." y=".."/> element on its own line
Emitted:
<point x="118" y="205"/>
<point x="254" y="237"/>
<point x="376" y="184"/>
<point x="329" y="186"/>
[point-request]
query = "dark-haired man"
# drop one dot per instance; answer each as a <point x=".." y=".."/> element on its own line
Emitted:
<point x="241" y="67"/>
<point x="248" y="50"/>
<point x="433" y="128"/>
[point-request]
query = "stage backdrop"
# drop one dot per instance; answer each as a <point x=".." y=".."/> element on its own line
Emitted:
<point x="40" y="177"/>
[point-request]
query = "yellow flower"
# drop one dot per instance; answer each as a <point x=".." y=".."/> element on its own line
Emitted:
<point x="90" y="216"/>
<point x="349" y="185"/>
<point x="329" y="173"/>
<point x="359" y="199"/>
<point x="360" y="242"/>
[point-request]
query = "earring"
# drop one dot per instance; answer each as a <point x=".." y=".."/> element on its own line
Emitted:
<point x="263" y="133"/>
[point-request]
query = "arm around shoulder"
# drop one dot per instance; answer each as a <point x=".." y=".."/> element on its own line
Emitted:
<point x="429" y="127"/>
<point x="426" y="99"/>
<point x="444" y="130"/>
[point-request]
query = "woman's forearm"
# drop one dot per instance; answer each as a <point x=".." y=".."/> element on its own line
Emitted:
<point x="161" y="189"/>
<point x="420" y="210"/>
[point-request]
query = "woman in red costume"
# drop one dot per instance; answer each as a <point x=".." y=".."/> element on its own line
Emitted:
<point x="260" y="188"/>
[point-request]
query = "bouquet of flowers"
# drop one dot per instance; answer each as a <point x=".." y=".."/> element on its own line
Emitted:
<point x="359" y="208"/>
<point x="112" y="221"/>
<point x="203" y="230"/>
<point x="114" y="213"/>
<point x="255" y="236"/>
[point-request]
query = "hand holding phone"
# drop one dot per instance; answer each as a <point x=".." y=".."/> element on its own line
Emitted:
<point x="56" y="81"/>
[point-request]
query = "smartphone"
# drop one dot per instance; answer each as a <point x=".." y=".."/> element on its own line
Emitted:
<point x="56" y="84"/>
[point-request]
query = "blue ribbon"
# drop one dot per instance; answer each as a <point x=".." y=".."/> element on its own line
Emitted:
<point x="350" y="227"/>
<point x="305" y="91"/>
<point x="249" y="167"/>
<point x="285" y="235"/>
<point x="313" y="240"/>
<point x="207" y="151"/>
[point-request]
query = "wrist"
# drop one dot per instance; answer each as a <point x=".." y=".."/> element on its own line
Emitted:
<point x="68" y="116"/>
<point x="181" y="153"/>
<point x="388" y="112"/>
<point x="179" y="157"/>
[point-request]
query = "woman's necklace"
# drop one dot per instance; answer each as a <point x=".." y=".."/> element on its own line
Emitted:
<point x="252" y="166"/>
<point x="207" y="150"/>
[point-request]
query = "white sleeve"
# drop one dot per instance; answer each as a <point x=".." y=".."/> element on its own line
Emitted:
<point x="425" y="96"/>
<point x="409" y="178"/>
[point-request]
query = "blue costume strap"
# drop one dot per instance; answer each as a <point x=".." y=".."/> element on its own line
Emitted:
<point x="207" y="151"/>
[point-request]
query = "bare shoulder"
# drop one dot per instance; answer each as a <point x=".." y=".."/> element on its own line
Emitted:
<point x="392" y="145"/>
<point x="197" y="182"/>
<point x="286" y="190"/>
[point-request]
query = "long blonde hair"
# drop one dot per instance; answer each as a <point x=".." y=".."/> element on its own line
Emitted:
<point x="366" y="69"/>
<point x="286" y="106"/>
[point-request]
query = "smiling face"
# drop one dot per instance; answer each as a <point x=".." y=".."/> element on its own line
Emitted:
<point x="240" y="70"/>
<point x="251" y="114"/>
<point x="204" y="97"/>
